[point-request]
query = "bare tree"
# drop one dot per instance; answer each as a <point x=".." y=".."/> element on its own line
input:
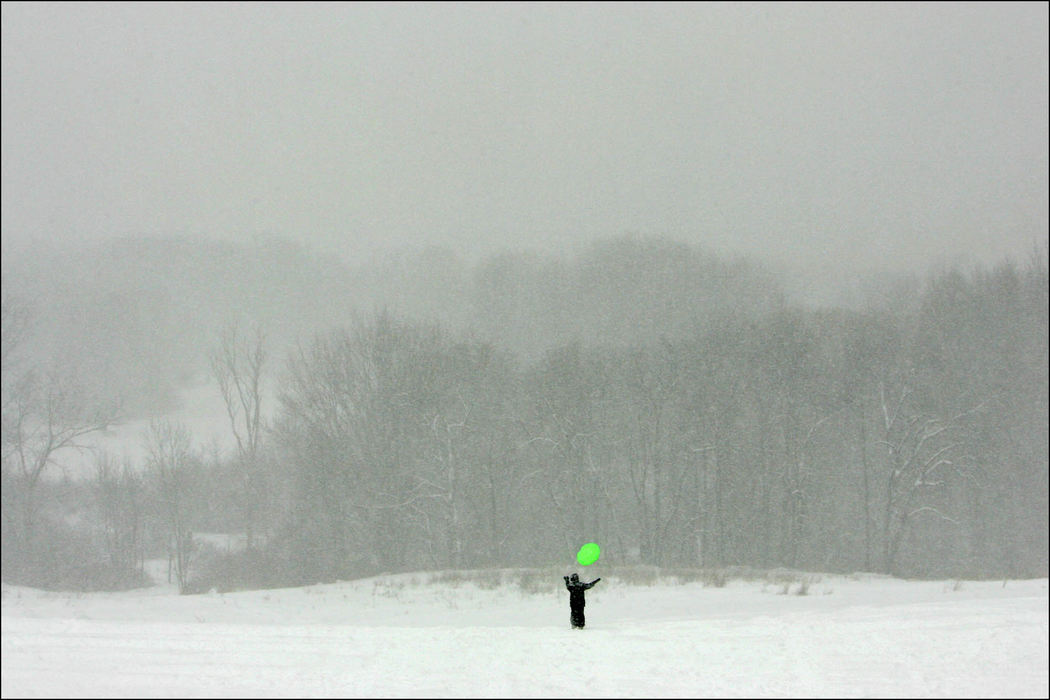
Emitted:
<point x="795" y="477"/>
<point x="651" y="385"/>
<point x="44" y="416"/>
<point x="237" y="364"/>
<point x="14" y="325"/>
<point x="922" y="452"/>
<point x="445" y="478"/>
<point x="121" y="501"/>
<point x="170" y="460"/>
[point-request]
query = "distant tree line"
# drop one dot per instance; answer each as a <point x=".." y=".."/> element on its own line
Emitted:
<point x="672" y="407"/>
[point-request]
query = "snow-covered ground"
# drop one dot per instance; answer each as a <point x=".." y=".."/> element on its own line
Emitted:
<point x="406" y="635"/>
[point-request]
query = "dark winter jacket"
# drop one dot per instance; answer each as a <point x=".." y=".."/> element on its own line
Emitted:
<point x="576" y="588"/>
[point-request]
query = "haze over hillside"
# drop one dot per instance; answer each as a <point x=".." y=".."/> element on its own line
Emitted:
<point x="135" y="318"/>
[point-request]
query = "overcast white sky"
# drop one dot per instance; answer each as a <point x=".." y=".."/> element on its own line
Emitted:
<point x="847" y="133"/>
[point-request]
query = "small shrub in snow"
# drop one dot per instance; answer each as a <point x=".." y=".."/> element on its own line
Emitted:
<point x="533" y="581"/>
<point x="638" y="575"/>
<point x="489" y="583"/>
<point x="716" y="577"/>
<point x="453" y="579"/>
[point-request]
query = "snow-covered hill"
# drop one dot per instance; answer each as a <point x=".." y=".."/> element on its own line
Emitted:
<point x="426" y="635"/>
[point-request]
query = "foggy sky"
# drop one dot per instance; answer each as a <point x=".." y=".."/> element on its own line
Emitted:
<point x="892" y="134"/>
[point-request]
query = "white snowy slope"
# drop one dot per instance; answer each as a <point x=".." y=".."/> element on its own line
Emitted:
<point x="405" y="636"/>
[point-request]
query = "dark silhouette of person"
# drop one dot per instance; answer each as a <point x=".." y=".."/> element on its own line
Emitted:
<point x="576" y="601"/>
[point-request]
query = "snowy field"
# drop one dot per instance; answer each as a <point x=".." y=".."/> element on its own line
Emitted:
<point x="404" y="636"/>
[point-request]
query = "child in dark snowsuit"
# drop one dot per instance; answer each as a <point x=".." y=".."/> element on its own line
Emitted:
<point x="576" y="602"/>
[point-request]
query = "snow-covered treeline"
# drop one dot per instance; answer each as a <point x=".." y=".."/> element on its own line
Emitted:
<point x="694" y="418"/>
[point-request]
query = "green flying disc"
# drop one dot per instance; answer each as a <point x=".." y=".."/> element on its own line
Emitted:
<point x="588" y="554"/>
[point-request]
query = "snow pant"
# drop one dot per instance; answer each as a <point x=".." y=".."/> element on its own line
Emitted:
<point x="576" y="617"/>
